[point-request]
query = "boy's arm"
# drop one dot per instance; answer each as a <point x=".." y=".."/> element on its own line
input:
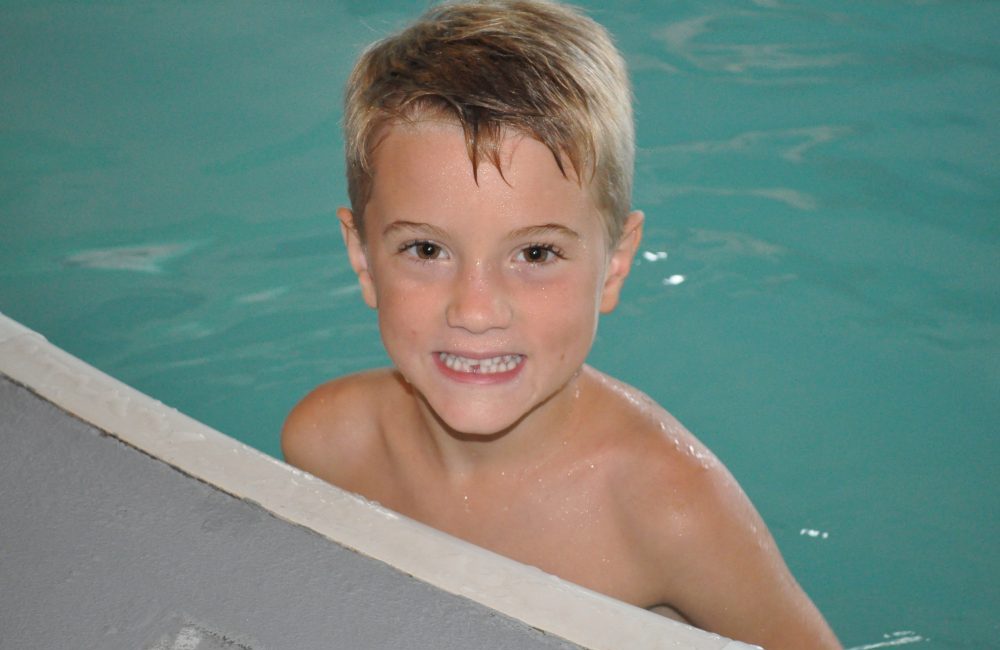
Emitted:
<point x="725" y="569"/>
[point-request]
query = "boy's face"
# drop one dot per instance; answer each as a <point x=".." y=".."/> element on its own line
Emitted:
<point x="488" y="293"/>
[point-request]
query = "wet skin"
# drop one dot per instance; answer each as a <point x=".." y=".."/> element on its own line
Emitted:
<point x="514" y="267"/>
<point x="491" y="427"/>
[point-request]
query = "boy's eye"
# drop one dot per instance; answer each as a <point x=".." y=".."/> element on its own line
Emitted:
<point x="539" y="253"/>
<point x="425" y="250"/>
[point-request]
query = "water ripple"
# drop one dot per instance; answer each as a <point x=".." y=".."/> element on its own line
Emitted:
<point x="685" y="39"/>
<point x="792" y="144"/>
<point x="144" y="259"/>
<point x="789" y="196"/>
<point x="892" y="640"/>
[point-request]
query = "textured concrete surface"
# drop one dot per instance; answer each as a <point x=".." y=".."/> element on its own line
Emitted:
<point x="104" y="547"/>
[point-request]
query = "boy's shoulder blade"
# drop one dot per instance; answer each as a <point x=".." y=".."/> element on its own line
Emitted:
<point x="336" y="430"/>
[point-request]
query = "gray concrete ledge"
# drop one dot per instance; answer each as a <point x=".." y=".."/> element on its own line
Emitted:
<point x="125" y="524"/>
<point x="106" y="547"/>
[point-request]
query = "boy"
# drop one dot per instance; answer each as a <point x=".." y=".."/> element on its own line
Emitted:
<point x="490" y="151"/>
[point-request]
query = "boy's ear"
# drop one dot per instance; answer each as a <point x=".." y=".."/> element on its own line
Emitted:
<point x="620" y="262"/>
<point x="358" y="256"/>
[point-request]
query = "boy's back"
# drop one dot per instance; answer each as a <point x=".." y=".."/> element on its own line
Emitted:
<point x="488" y="279"/>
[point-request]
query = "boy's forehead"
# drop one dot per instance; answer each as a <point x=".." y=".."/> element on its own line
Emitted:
<point x="433" y="130"/>
<point x="422" y="172"/>
<point x="399" y="140"/>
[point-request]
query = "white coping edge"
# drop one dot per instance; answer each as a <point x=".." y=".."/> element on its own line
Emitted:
<point x="522" y="592"/>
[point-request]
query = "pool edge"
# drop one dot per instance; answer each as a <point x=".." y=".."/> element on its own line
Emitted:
<point x="524" y="593"/>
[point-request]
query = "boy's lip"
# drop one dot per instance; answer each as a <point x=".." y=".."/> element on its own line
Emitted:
<point x="480" y="367"/>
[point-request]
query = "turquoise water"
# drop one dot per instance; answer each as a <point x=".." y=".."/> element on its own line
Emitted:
<point x="817" y="297"/>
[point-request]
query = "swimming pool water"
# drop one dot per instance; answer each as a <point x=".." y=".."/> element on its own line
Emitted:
<point x="817" y="296"/>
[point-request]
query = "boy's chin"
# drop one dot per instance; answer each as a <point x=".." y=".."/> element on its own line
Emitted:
<point x="473" y="422"/>
<point x="480" y="428"/>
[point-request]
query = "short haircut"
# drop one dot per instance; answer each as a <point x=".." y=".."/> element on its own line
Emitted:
<point x="499" y="66"/>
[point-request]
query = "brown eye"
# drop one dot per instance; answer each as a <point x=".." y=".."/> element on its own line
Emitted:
<point x="423" y="250"/>
<point x="539" y="254"/>
<point x="427" y="250"/>
<point x="535" y="254"/>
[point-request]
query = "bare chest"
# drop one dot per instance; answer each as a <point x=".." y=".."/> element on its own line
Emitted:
<point x="568" y="529"/>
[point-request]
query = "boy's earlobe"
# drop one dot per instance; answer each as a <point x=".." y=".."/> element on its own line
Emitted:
<point x="358" y="256"/>
<point x="620" y="262"/>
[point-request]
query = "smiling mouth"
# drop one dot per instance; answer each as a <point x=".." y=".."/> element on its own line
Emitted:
<point x="490" y="366"/>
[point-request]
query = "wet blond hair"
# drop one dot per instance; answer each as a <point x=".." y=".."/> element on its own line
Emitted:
<point x="499" y="66"/>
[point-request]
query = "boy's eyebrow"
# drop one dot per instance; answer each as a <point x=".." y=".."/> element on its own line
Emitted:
<point x="413" y="225"/>
<point x="541" y="230"/>
<point x="547" y="229"/>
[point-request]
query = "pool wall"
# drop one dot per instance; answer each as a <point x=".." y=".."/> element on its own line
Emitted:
<point x="126" y="524"/>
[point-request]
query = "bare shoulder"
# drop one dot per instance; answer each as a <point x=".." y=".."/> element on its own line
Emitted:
<point x="336" y="428"/>
<point x="694" y="532"/>
<point x="658" y="466"/>
<point x="647" y="439"/>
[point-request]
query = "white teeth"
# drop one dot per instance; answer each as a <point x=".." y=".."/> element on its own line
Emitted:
<point x="489" y="366"/>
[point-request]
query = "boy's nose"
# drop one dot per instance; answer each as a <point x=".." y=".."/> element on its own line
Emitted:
<point x="479" y="301"/>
